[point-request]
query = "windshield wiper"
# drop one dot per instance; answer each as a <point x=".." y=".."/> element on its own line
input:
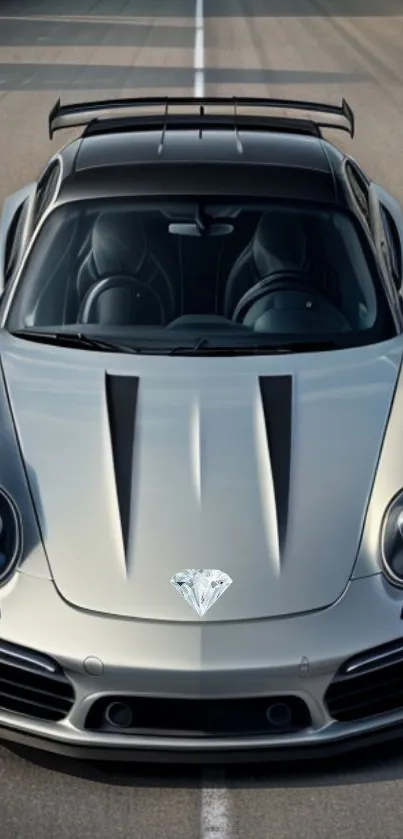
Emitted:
<point x="202" y="347"/>
<point x="73" y="339"/>
<point x="200" y="344"/>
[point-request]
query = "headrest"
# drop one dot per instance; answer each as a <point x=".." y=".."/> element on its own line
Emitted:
<point x="118" y="243"/>
<point x="280" y="243"/>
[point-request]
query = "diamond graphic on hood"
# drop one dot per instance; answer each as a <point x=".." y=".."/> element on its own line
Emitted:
<point x="201" y="587"/>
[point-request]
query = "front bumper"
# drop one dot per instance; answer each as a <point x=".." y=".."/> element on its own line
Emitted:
<point x="338" y="740"/>
<point x="298" y="656"/>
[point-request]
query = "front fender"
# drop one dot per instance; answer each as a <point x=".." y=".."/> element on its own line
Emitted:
<point x="14" y="473"/>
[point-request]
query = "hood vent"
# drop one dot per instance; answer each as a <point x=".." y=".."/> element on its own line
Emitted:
<point x="276" y="393"/>
<point x="121" y="397"/>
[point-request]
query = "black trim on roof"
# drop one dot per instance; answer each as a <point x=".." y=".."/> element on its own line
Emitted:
<point x="170" y="180"/>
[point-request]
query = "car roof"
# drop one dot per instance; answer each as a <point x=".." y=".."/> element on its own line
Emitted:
<point x="208" y="146"/>
<point x="133" y="163"/>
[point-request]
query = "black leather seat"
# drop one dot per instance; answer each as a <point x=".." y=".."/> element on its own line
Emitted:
<point x="279" y="244"/>
<point x="119" y="253"/>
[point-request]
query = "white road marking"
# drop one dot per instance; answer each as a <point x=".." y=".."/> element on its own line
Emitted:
<point x="199" y="50"/>
<point x="215" y="816"/>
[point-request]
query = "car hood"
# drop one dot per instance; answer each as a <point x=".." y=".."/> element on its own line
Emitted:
<point x="141" y="467"/>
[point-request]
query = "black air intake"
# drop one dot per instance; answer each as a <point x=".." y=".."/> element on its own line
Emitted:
<point x="368" y="684"/>
<point x="33" y="684"/>
<point x="199" y="717"/>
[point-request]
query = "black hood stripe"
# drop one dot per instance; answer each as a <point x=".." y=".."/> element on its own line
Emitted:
<point x="276" y="393"/>
<point x="121" y="397"/>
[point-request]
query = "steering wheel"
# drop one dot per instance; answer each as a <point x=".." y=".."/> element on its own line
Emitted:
<point x="284" y="281"/>
<point x="149" y="301"/>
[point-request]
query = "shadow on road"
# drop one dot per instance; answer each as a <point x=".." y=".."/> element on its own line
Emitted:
<point x="59" y="77"/>
<point x="59" y="32"/>
<point x="212" y="8"/>
<point x="382" y="763"/>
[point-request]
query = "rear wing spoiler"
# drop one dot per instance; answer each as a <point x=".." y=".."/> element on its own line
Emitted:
<point x="307" y="117"/>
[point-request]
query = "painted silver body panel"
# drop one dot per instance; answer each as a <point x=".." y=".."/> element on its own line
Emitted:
<point x="202" y="486"/>
<point x="242" y="647"/>
<point x="251" y="658"/>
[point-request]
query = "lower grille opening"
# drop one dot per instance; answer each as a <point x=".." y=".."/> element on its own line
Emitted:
<point x="198" y="717"/>
<point x="368" y="685"/>
<point x="33" y="685"/>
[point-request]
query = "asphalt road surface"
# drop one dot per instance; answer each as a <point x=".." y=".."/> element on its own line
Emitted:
<point x="310" y="48"/>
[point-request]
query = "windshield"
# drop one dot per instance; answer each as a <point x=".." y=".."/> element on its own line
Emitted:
<point x="170" y="274"/>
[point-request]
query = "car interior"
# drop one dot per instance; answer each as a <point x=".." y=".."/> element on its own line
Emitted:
<point x="272" y="269"/>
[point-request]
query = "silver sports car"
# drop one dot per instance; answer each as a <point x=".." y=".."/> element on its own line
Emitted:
<point x="201" y="404"/>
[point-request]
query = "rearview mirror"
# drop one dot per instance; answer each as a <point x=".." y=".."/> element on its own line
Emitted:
<point x="194" y="229"/>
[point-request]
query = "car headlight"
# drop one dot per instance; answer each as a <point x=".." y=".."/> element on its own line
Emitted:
<point x="392" y="541"/>
<point x="10" y="536"/>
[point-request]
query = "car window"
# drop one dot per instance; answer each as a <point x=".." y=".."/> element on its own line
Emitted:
<point x="393" y="242"/>
<point x="14" y="239"/>
<point x="359" y="188"/>
<point x="162" y="271"/>
<point x="46" y="191"/>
